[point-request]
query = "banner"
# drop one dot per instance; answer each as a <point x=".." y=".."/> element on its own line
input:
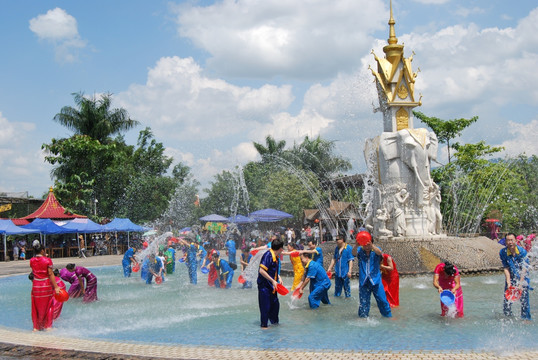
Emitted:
<point x="5" y="207"/>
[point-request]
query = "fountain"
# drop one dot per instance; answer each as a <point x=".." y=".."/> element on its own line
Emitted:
<point x="401" y="200"/>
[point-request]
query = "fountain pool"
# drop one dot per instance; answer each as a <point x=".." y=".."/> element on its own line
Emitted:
<point x="176" y="312"/>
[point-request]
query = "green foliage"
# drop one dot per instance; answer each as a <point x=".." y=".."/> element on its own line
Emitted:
<point x="445" y="130"/>
<point x="93" y="117"/>
<point x="127" y="181"/>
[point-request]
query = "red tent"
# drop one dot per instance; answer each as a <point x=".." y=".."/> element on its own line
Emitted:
<point x="51" y="209"/>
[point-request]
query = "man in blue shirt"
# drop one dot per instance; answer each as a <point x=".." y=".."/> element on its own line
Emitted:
<point x="230" y="246"/>
<point x="225" y="270"/>
<point x="268" y="278"/>
<point x="128" y="259"/>
<point x="342" y="262"/>
<point x="317" y="252"/>
<point x="155" y="268"/>
<point x="370" y="258"/>
<point x="319" y="282"/>
<point x="515" y="263"/>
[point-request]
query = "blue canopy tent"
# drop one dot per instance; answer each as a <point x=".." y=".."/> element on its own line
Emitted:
<point x="46" y="227"/>
<point x="8" y="228"/>
<point x="214" y="218"/>
<point x="241" y="219"/>
<point x="84" y="226"/>
<point x="123" y="225"/>
<point x="270" y="215"/>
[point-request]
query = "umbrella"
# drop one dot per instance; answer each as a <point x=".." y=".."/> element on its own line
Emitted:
<point x="241" y="219"/>
<point x="185" y="230"/>
<point x="46" y="227"/>
<point x="214" y="218"/>
<point x="149" y="233"/>
<point x="270" y="215"/>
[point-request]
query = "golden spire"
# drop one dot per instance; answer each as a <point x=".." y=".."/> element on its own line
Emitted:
<point x="392" y="33"/>
<point x="393" y="51"/>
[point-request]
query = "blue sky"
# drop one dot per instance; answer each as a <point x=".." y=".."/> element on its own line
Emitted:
<point x="211" y="77"/>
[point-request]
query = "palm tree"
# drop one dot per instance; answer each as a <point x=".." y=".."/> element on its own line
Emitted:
<point x="272" y="147"/>
<point x="93" y="117"/>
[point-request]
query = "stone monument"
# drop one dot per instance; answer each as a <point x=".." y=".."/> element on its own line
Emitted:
<point x="402" y="199"/>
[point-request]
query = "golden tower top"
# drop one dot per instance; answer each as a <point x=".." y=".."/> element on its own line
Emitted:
<point x="393" y="51"/>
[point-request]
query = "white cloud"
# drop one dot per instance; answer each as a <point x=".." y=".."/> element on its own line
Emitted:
<point x="465" y="11"/>
<point x="299" y="39"/>
<point x="61" y="30"/>
<point x="523" y="139"/>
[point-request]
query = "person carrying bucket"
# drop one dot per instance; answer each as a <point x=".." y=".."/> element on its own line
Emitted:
<point x="370" y="257"/>
<point x="447" y="277"/>
<point x="225" y="271"/>
<point x="319" y="282"/>
<point x="516" y="263"/>
<point x="244" y="260"/>
<point x="268" y="279"/>
<point x="128" y="260"/>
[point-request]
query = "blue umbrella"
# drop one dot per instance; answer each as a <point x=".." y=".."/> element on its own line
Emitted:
<point x="270" y="215"/>
<point x="241" y="219"/>
<point x="8" y="228"/>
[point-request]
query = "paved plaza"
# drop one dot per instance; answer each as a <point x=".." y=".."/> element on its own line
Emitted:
<point x="20" y="344"/>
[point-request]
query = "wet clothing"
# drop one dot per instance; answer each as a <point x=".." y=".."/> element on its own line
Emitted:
<point x="155" y="266"/>
<point x="246" y="284"/>
<point x="298" y="271"/>
<point x="230" y="246"/>
<point x="75" y="289"/>
<point x="57" y="305"/>
<point x="341" y="269"/>
<point x="192" y="262"/>
<point x="144" y="270"/>
<point x="516" y="264"/>
<point x="370" y="283"/>
<point x="171" y="265"/>
<point x="447" y="283"/>
<point x="319" y="284"/>
<point x="267" y="295"/>
<point x="126" y="262"/>
<point x="391" y="282"/>
<point x="42" y="293"/>
<point x="225" y="272"/>
<point x="318" y="256"/>
<point x="90" y="293"/>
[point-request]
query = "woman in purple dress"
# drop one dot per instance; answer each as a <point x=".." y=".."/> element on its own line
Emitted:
<point x="76" y="288"/>
<point x="90" y="292"/>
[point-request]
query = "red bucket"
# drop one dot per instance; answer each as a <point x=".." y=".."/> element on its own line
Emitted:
<point x="297" y="294"/>
<point x="363" y="238"/>
<point x="330" y="274"/>
<point x="512" y="294"/>
<point x="158" y="279"/>
<point x="62" y="296"/>
<point x="136" y="268"/>
<point x="253" y="252"/>
<point x="281" y="289"/>
<point x="241" y="279"/>
<point x="294" y="254"/>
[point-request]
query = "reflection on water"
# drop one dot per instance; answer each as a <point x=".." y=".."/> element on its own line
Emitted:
<point x="177" y="312"/>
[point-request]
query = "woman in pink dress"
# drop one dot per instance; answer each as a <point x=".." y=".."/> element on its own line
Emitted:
<point x="43" y="288"/>
<point x="57" y="305"/>
<point x="447" y="277"/>
<point x="90" y="292"/>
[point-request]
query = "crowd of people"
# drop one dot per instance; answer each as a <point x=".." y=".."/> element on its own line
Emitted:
<point x="377" y="273"/>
